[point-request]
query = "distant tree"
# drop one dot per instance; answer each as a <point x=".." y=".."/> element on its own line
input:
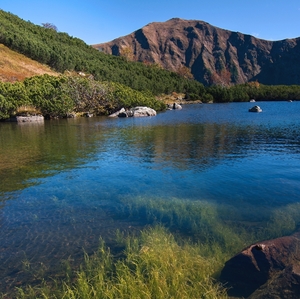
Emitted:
<point x="50" y="26"/>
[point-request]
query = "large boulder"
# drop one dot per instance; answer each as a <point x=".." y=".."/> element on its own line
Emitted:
<point x="117" y="113"/>
<point x="143" y="111"/>
<point x="265" y="267"/>
<point x="139" y="111"/>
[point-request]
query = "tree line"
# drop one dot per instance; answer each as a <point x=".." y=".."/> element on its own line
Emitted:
<point x="253" y="90"/>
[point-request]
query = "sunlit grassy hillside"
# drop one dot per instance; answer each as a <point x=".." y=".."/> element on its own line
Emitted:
<point x="17" y="67"/>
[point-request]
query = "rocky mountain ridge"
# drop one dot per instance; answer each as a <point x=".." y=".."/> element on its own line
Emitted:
<point x="212" y="54"/>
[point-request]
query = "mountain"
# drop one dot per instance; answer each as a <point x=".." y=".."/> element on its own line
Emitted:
<point x="212" y="54"/>
<point x="62" y="52"/>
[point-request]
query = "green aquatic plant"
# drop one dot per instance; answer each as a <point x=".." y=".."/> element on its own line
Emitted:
<point x="283" y="221"/>
<point x="154" y="266"/>
<point x="218" y="229"/>
<point x="196" y="219"/>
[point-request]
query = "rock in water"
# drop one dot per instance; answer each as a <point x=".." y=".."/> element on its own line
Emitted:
<point x="265" y="267"/>
<point x="117" y="113"/>
<point x="143" y="111"/>
<point x="255" y="109"/>
<point x="135" y="112"/>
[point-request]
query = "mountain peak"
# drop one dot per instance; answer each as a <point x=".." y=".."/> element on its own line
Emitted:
<point x="212" y="54"/>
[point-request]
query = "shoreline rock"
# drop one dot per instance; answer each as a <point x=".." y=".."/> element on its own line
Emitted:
<point x="174" y="106"/>
<point x="265" y="267"/>
<point x="139" y="111"/>
<point x="27" y="119"/>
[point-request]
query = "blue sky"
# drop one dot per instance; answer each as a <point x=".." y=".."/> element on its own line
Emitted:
<point x="96" y="21"/>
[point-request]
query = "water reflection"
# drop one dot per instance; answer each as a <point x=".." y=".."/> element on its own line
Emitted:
<point x="31" y="151"/>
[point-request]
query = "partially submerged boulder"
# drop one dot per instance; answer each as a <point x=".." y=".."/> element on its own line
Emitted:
<point x="143" y="111"/>
<point x="126" y="113"/>
<point x="174" y="106"/>
<point x="28" y="119"/>
<point x="139" y="111"/>
<point x="255" y="109"/>
<point x="117" y="113"/>
<point x="264" y="267"/>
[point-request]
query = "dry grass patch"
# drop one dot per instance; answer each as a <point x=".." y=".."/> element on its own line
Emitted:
<point x="16" y="67"/>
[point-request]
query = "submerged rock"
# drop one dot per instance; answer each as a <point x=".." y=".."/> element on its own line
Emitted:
<point x="265" y="267"/>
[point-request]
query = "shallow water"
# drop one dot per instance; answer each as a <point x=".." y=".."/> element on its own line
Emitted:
<point x="60" y="181"/>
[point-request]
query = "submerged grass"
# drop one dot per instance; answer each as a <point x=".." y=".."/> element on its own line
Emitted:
<point x="154" y="266"/>
<point x="198" y="220"/>
<point x="215" y="225"/>
<point x="179" y="256"/>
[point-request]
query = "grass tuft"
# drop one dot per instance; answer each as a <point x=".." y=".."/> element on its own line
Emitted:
<point x="154" y="266"/>
<point x="28" y="111"/>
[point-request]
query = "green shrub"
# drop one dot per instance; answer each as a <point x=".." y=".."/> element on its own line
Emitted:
<point x="6" y="107"/>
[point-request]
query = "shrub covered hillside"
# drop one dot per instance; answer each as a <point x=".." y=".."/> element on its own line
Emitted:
<point x="59" y="96"/>
<point x="62" y="52"/>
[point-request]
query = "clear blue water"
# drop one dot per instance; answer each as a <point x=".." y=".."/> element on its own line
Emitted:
<point x="60" y="181"/>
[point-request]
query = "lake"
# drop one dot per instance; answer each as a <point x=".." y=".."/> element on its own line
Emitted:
<point x="63" y="183"/>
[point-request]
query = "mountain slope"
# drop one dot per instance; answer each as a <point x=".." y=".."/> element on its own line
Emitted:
<point x="65" y="53"/>
<point x="17" y="67"/>
<point x="212" y="54"/>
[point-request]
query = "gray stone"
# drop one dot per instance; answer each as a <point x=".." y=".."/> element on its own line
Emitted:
<point x="139" y="111"/>
<point x="255" y="109"/>
<point x="126" y="113"/>
<point x="88" y="114"/>
<point x="177" y="106"/>
<point x="28" y="119"/>
<point x="143" y="111"/>
<point x="117" y="113"/>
